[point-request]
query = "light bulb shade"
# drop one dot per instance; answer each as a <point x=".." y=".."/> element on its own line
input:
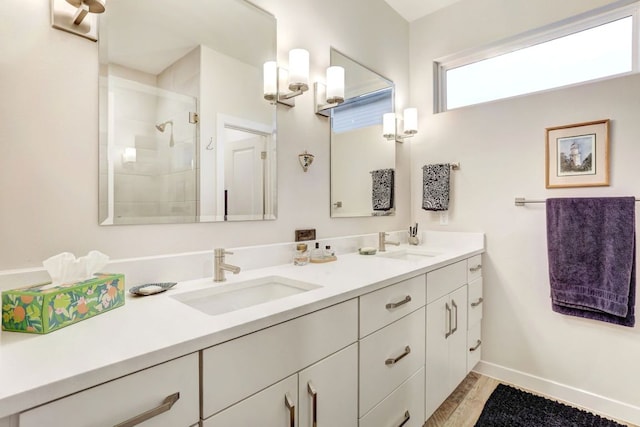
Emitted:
<point x="411" y="121"/>
<point x="298" y="69"/>
<point x="129" y="155"/>
<point x="270" y="80"/>
<point x="389" y="125"/>
<point x="335" y="84"/>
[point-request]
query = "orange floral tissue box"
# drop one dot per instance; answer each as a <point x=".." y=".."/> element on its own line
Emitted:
<point x="40" y="311"/>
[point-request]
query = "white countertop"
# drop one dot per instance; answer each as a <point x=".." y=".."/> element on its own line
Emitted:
<point x="35" y="369"/>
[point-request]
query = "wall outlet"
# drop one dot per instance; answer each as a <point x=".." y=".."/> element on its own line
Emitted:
<point x="305" y="234"/>
<point x="444" y="218"/>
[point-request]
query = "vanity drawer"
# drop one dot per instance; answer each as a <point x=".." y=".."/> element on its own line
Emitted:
<point x="474" y="268"/>
<point x="390" y="356"/>
<point x="445" y="280"/>
<point x="474" y="344"/>
<point x="407" y="401"/>
<point x="475" y="303"/>
<point x="238" y="368"/>
<point x="125" y="398"/>
<point x="386" y="305"/>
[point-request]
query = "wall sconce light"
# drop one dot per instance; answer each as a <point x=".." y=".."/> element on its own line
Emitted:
<point x="305" y="160"/>
<point x="390" y="125"/>
<point x="296" y="79"/>
<point x="73" y="16"/>
<point x="129" y="155"/>
<point x="331" y="94"/>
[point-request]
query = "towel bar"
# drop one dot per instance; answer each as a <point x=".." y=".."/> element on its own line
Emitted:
<point x="520" y="201"/>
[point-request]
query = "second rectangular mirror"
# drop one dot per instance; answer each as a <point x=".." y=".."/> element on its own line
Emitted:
<point x="362" y="160"/>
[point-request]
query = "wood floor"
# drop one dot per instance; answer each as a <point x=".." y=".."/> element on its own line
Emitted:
<point x="465" y="404"/>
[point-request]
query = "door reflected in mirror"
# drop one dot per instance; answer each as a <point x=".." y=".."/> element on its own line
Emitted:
<point x="185" y="135"/>
<point x="362" y="160"/>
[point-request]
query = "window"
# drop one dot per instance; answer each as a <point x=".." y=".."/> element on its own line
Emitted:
<point x="599" y="47"/>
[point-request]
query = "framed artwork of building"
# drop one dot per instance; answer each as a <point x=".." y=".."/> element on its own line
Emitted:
<point x="577" y="155"/>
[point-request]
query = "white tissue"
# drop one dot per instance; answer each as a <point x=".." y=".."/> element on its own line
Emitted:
<point x="64" y="268"/>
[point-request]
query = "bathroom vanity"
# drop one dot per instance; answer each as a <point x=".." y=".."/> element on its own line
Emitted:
<point x="376" y="340"/>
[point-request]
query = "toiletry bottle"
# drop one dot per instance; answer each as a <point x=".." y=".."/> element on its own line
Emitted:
<point x="328" y="252"/>
<point x="317" y="254"/>
<point x="301" y="257"/>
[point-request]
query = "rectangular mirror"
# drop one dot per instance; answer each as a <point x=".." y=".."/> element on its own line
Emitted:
<point x="185" y="134"/>
<point x="362" y="160"/>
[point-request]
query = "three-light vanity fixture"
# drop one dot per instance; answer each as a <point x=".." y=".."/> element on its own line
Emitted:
<point x="282" y="85"/>
<point x="390" y="125"/>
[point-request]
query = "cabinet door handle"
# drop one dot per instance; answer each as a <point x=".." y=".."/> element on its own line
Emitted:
<point x="407" y="417"/>
<point x="477" y="303"/>
<point x="448" y="320"/>
<point x="314" y="405"/>
<point x="454" y="305"/>
<point x="393" y="361"/>
<point x="165" y="406"/>
<point x="475" y="268"/>
<point x="292" y="409"/>
<point x="393" y="305"/>
<point x="477" y="346"/>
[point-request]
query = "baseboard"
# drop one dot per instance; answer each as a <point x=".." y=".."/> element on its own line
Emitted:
<point x="599" y="404"/>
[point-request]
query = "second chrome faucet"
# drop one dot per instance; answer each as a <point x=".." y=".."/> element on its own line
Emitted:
<point x="219" y="265"/>
<point x="382" y="242"/>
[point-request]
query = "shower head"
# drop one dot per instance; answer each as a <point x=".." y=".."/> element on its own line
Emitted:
<point x="162" y="126"/>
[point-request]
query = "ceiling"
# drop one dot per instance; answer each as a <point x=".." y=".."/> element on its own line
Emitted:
<point x="415" y="9"/>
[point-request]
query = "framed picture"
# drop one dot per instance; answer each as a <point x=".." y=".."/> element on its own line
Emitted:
<point x="578" y="155"/>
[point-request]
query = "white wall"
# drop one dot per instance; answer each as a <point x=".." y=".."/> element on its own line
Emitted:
<point x="500" y="146"/>
<point x="49" y="136"/>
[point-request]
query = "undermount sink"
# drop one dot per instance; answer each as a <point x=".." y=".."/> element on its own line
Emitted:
<point x="409" y="254"/>
<point x="222" y="299"/>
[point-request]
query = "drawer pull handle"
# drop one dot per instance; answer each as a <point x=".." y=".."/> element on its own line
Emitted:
<point x="292" y="409"/>
<point x="314" y="405"/>
<point x="391" y="361"/>
<point x="165" y="406"/>
<point x="475" y="268"/>
<point x="454" y="305"/>
<point x="448" y="320"/>
<point x="393" y="305"/>
<point x="477" y="346"/>
<point x="477" y="303"/>
<point x="407" y="417"/>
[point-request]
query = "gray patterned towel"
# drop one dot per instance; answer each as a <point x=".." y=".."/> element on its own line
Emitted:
<point x="435" y="187"/>
<point x="382" y="189"/>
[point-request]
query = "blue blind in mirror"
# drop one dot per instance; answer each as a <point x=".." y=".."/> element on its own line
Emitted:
<point x="362" y="111"/>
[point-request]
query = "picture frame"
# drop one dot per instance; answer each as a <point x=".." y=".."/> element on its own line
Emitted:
<point x="577" y="155"/>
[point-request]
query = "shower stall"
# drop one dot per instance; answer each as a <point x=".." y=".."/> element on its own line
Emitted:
<point x="156" y="181"/>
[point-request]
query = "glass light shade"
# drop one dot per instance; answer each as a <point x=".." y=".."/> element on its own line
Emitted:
<point x="270" y="77"/>
<point x="129" y="155"/>
<point x="335" y="84"/>
<point x="389" y="125"/>
<point x="411" y="121"/>
<point x="298" y="69"/>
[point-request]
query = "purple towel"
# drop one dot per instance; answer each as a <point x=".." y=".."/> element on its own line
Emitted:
<point x="591" y="244"/>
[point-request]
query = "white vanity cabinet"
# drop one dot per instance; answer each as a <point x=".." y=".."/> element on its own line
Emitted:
<point x="163" y="395"/>
<point x="446" y="333"/>
<point x="392" y="355"/>
<point x="257" y="375"/>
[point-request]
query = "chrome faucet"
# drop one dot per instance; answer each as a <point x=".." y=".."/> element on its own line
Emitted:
<point x="219" y="265"/>
<point x="382" y="242"/>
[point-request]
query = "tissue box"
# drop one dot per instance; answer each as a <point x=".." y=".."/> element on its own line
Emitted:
<point x="40" y="311"/>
